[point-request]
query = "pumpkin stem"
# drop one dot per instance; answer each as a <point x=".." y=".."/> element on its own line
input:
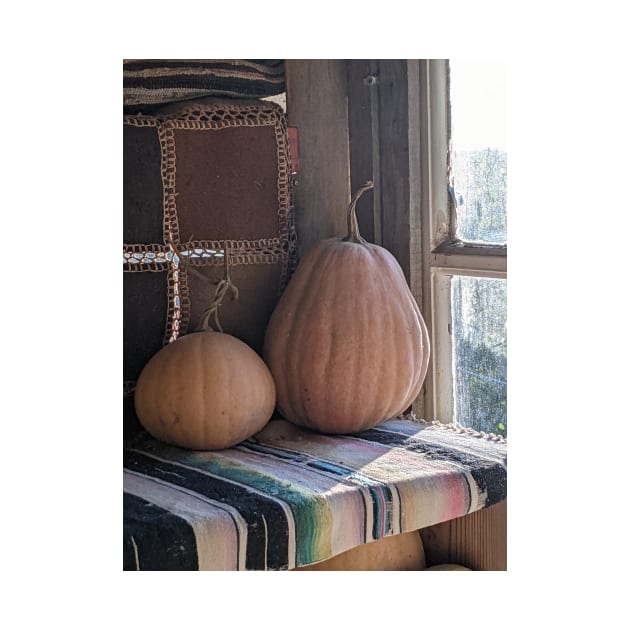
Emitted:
<point x="353" y="224"/>
<point x="223" y="286"/>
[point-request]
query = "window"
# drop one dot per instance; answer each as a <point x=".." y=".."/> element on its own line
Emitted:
<point x="464" y="177"/>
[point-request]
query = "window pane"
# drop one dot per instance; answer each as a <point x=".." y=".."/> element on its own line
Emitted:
<point x="479" y="151"/>
<point x="480" y="353"/>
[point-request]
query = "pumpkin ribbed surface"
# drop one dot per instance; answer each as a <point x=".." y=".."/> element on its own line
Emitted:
<point x="346" y="343"/>
<point x="206" y="390"/>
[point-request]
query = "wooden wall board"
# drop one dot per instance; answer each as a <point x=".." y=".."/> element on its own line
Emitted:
<point x="317" y="106"/>
<point x="364" y="143"/>
<point x="477" y="540"/>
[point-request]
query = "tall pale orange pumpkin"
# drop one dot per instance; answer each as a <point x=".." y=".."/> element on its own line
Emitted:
<point x="346" y="344"/>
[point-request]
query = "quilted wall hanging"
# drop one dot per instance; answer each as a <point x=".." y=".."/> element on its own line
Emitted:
<point x="206" y="183"/>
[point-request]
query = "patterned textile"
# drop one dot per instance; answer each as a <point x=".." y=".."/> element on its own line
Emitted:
<point x="204" y="184"/>
<point x="149" y="82"/>
<point x="290" y="497"/>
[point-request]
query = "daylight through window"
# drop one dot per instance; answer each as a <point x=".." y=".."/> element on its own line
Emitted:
<point x="478" y="304"/>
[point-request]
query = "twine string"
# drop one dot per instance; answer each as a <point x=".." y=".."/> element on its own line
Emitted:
<point x="223" y="287"/>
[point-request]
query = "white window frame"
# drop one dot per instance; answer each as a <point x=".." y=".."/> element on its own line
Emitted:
<point x="443" y="255"/>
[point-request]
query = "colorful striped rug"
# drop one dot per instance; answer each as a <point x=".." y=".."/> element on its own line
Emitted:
<point x="290" y="497"/>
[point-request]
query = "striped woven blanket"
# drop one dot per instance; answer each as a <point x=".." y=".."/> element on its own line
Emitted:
<point x="290" y="497"/>
<point x="149" y="82"/>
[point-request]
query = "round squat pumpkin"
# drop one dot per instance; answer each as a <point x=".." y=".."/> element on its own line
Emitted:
<point x="205" y="391"/>
<point x="346" y="343"/>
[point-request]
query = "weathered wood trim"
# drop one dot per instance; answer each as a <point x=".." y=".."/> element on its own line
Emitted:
<point x="441" y="326"/>
<point x="384" y="125"/>
<point x="426" y="199"/>
<point x="461" y="264"/>
<point x="471" y="249"/>
<point x="364" y="143"/>
<point x="415" y="181"/>
<point x="317" y="105"/>
<point x="394" y="150"/>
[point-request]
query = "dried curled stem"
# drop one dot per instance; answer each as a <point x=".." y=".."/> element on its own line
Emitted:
<point x="353" y="224"/>
<point x="224" y="286"/>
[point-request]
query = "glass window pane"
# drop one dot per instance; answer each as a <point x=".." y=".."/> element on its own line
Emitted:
<point x="480" y="353"/>
<point x="479" y="149"/>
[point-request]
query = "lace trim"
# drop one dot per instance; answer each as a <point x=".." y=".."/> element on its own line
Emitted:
<point x="170" y="255"/>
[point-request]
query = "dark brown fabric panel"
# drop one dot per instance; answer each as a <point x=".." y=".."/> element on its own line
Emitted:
<point x="227" y="183"/>
<point x="222" y="184"/>
<point x="142" y="186"/>
<point x="145" y="300"/>
<point x="247" y="317"/>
